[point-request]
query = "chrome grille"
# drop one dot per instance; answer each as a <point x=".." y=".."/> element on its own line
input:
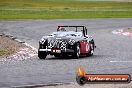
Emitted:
<point x="57" y="44"/>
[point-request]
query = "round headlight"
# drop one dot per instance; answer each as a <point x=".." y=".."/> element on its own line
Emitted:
<point x="42" y="41"/>
<point x="71" y="41"/>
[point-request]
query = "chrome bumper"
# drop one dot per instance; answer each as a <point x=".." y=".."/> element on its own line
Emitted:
<point x="64" y="50"/>
<point x="44" y="50"/>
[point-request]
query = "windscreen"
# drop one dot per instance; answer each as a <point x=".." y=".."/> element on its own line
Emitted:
<point x="70" y="28"/>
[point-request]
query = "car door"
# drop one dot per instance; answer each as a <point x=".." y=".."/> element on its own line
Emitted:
<point x="84" y="46"/>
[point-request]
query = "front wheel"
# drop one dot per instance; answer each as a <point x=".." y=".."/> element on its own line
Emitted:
<point x="42" y="54"/>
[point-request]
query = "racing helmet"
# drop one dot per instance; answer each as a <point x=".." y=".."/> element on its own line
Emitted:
<point x="61" y="29"/>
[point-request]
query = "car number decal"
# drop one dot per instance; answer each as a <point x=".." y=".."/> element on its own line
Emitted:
<point x="56" y="51"/>
<point x="87" y="47"/>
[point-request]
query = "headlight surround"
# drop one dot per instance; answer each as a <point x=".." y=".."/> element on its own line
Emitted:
<point x="71" y="41"/>
<point x="42" y="41"/>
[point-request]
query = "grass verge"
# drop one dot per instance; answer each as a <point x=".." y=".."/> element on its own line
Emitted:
<point x="4" y="53"/>
<point x="66" y="9"/>
<point x="64" y="14"/>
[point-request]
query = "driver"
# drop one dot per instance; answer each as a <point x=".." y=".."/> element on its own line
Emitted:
<point x="61" y="29"/>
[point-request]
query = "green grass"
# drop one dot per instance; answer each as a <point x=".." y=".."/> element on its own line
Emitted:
<point x="3" y="53"/>
<point x="63" y="9"/>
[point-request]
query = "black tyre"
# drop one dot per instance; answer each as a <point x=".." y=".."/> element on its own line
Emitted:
<point x="42" y="54"/>
<point x="57" y="55"/>
<point x="77" y="51"/>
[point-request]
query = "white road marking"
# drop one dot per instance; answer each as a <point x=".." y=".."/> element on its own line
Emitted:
<point x="122" y="32"/>
<point x="120" y="61"/>
<point x="33" y="48"/>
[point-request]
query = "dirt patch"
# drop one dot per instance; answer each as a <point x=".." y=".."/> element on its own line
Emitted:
<point x="8" y="46"/>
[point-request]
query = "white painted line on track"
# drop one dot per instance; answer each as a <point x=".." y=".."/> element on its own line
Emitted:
<point x="122" y="32"/>
<point x="33" y="48"/>
<point x="121" y="61"/>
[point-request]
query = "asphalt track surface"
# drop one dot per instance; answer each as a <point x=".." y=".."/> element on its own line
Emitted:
<point x="112" y="55"/>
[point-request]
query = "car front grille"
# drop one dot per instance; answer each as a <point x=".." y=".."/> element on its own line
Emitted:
<point x="62" y="44"/>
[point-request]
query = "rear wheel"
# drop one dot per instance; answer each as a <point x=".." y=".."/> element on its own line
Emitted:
<point x="42" y="54"/>
<point x="77" y="51"/>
